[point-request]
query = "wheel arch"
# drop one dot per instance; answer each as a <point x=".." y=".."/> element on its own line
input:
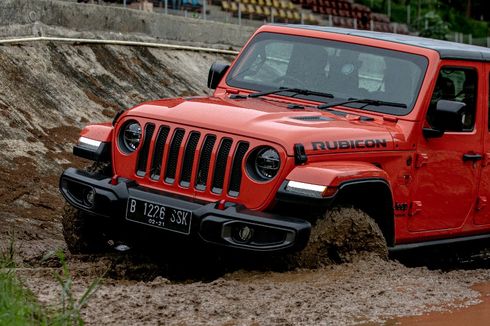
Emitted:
<point x="349" y="183"/>
<point x="374" y="197"/>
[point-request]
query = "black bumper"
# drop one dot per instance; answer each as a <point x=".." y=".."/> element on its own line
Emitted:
<point x="210" y="222"/>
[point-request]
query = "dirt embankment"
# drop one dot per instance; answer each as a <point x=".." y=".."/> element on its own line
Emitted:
<point x="49" y="91"/>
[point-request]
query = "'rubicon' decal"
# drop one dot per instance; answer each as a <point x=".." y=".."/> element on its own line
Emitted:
<point x="346" y="144"/>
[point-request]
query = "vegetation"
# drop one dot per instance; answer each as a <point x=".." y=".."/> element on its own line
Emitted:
<point x="438" y="18"/>
<point x="18" y="306"/>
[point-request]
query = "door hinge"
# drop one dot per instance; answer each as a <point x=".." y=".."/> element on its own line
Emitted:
<point x="481" y="202"/>
<point x="421" y="159"/>
<point x="415" y="208"/>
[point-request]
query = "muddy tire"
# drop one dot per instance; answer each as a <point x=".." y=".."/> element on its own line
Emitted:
<point x="83" y="232"/>
<point x="339" y="236"/>
<point x="82" y="235"/>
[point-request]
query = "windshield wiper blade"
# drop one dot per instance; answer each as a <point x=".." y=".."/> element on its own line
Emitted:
<point x="363" y="101"/>
<point x="292" y="90"/>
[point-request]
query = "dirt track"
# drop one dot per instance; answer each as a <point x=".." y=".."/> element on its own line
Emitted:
<point x="48" y="92"/>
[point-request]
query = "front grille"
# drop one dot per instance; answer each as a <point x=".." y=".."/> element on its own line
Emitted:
<point x="205" y="165"/>
<point x="190" y="152"/>
<point x="220" y="165"/>
<point x="156" y="165"/>
<point x="236" y="169"/>
<point x="204" y="161"/>
<point x="143" y="154"/>
<point x="173" y="155"/>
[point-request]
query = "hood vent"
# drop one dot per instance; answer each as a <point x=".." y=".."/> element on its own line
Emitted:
<point x="313" y="118"/>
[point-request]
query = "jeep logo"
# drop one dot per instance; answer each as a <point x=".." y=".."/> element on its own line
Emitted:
<point x="346" y="144"/>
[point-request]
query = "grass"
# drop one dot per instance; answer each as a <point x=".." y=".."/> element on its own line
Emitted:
<point x="19" y="306"/>
<point x="69" y="313"/>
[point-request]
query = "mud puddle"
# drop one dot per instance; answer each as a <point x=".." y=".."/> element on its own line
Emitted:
<point x="368" y="289"/>
<point x="475" y="315"/>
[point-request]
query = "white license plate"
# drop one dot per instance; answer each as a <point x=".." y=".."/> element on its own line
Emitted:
<point x="158" y="215"/>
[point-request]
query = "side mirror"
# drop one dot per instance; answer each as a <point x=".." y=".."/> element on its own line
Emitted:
<point x="448" y="117"/>
<point x="216" y="73"/>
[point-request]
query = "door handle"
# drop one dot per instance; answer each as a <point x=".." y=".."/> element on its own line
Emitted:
<point x="472" y="157"/>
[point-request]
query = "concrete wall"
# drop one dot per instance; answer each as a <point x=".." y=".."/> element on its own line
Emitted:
<point x="98" y="18"/>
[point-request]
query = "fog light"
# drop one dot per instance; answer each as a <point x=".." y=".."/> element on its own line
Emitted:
<point x="244" y="234"/>
<point x="90" y="197"/>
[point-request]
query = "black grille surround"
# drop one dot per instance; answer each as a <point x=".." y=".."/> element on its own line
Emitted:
<point x="192" y="159"/>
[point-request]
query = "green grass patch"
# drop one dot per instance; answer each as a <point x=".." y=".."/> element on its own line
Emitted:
<point x="19" y="306"/>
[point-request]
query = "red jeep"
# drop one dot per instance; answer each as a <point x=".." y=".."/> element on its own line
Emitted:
<point x="305" y="122"/>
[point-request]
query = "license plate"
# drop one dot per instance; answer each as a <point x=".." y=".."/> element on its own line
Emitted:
<point x="159" y="216"/>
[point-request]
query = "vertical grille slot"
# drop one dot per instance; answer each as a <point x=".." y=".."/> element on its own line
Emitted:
<point x="236" y="169"/>
<point x="220" y="165"/>
<point x="156" y="164"/>
<point x="143" y="154"/>
<point x="204" y="161"/>
<point x="173" y="155"/>
<point x="190" y="151"/>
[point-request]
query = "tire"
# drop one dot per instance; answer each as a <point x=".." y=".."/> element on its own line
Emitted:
<point x="341" y="234"/>
<point x="82" y="234"/>
<point x="82" y="231"/>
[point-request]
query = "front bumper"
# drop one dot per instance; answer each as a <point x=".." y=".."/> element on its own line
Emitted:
<point x="211" y="222"/>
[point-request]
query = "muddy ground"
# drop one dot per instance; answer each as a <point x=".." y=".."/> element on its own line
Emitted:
<point x="49" y="91"/>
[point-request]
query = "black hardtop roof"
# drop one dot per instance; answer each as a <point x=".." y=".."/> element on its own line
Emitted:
<point x="447" y="50"/>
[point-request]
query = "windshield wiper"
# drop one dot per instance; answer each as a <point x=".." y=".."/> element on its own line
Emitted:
<point x="363" y="101"/>
<point x="291" y="90"/>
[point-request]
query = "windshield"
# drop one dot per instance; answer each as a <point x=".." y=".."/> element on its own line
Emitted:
<point x="344" y="70"/>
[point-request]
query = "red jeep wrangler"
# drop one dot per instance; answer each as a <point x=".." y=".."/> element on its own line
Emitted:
<point x="306" y="121"/>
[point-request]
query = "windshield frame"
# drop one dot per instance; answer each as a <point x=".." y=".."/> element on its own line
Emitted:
<point x="420" y="60"/>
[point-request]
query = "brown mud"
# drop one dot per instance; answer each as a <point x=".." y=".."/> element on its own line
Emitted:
<point x="49" y="91"/>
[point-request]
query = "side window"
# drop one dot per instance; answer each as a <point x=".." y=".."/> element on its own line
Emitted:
<point x="456" y="84"/>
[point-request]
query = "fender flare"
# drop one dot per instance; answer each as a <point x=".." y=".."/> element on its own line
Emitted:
<point x="348" y="182"/>
<point x="95" y="142"/>
<point x="101" y="132"/>
<point x="334" y="174"/>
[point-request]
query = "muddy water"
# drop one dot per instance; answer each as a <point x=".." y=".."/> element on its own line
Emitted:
<point x="367" y="290"/>
<point x="473" y="315"/>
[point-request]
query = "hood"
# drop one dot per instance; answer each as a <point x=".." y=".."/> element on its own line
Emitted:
<point x="319" y="131"/>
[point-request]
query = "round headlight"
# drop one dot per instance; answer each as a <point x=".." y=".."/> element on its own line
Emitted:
<point x="130" y="136"/>
<point x="267" y="163"/>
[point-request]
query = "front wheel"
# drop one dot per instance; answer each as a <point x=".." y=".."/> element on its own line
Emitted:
<point x="339" y="235"/>
<point x="81" y="231"/>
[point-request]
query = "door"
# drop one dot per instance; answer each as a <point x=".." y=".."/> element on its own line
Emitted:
<point x="447" y="168"/>
<point x="482" y="216"/>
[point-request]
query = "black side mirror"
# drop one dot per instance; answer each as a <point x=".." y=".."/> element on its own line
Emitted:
<point x="448" y="117"/>
<point x="216" y="73"/>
